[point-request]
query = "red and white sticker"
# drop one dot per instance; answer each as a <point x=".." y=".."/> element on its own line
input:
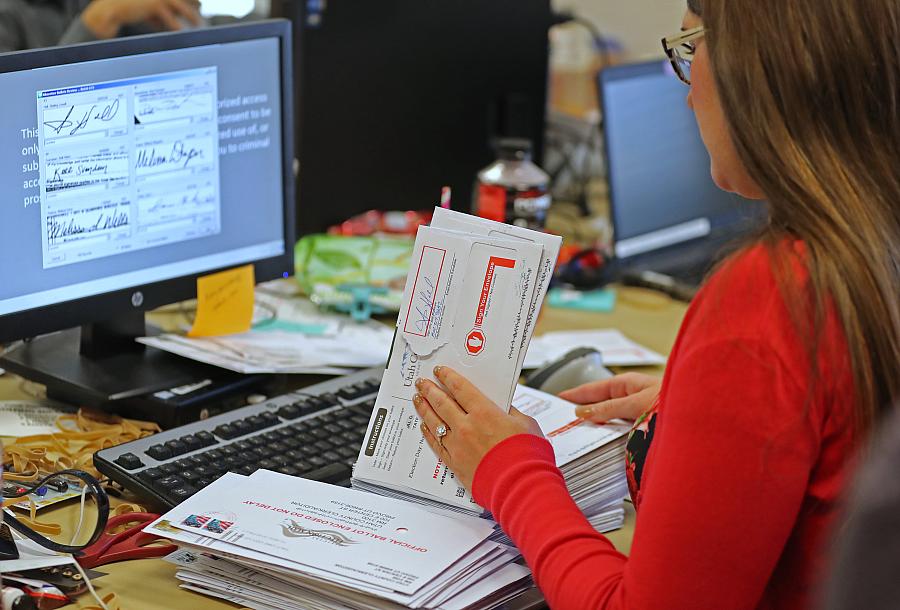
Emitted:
<point x="476" y="339"/>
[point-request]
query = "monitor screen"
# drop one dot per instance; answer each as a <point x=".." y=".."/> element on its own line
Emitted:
<point x="661" y="192"/>
<point x="141" y="168"/>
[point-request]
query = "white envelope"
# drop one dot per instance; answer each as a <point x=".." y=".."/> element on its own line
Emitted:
<point x="467" y="301"/>
<point x="457" y="221"/>
<point x="377" y="540"/>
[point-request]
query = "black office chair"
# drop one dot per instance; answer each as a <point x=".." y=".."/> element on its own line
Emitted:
<point x="864" y="573"/>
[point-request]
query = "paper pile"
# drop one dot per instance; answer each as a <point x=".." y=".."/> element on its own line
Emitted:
<point x="472" y="295"/>
<point x="591" y="458"/>
<point x="614" y="347"/>
<point x="271" y="541"/>
<point x="289" y="335"/>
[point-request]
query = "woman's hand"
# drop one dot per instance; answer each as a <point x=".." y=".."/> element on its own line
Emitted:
<point x="625" y="396"/>
<point x="474" y="423"/>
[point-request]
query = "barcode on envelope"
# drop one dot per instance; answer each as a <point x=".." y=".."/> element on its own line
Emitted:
<point x="421" y="298"/>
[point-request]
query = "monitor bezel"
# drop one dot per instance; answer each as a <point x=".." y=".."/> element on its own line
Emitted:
<point x="29" y="323"/>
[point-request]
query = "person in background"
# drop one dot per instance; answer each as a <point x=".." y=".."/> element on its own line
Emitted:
<point x="30" y="24"/>
<point x="785" y="360"/>
<point x="868" y="550"/>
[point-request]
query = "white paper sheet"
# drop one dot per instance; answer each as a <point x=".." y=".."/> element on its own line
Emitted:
<point x="26" y="417"/>
<point x="615" y="348"/>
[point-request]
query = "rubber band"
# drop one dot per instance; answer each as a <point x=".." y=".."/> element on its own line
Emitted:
<point x="80" y="435"/>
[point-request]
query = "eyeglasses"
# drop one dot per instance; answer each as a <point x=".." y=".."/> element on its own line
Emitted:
<point x="680" y="51"/>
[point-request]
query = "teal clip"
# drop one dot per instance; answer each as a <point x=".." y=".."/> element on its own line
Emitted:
<point x="360" y="306"/>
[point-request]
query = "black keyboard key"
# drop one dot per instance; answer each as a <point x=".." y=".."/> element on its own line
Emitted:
<point x="332" y="456"/>
<point x="177" y="447"/>
<point x="191" y="476"/>
<point x="244" y="446"/>
<point x="168" y="468"/>
<point x="309" y="451"/>
<point x="333" y="428"/>
<point x="290" y="412"/>
<point x="332" y="473"/>
<point x="181" y="493"/>
<point x="271" y="437"/>
<point x="348" y="393"/>
<point x="350" y="435"/>
<point x="317" y="461"/>
<point x="235" y="461"/>
<point x="192" y="442"/>
<point x="323" y="446"/>
<point x="320" y="433"/>
<point x="267" y="464"/>
<point x="206" y="471"/>
<point x="299" y="427"/>
<point x="214" y="455"/>
<point x="347" y="424"/>
<point x="151" y="474"/>
<point x="159" y="452"/>
<point x="206" y="439"/>
<point x="306" y="438"/>
<point x="248" y="469"/>
<point x="169" y="482"/>
<point x="256" y="441"/>
<point x="198" y="460"/>
<point x="229" y="450"/>
<point x="329" y="399"/>
<point x="279" y="447"/>
<point x="226" y="431"/>
<point x="255" y="422"/>
<point x="284" y="433"/>
<point x="291" y="443"/>
<point x="242" y="427"/>
<point x="289" y="470"/>
<point x="263" y="452"/>
<point x="327" y="418"/>
<point x="269" y="418"/>
<point x="311" y="405"/>
<point x="129" y="461"/>
<point x="348" y="452"/>
<point x="183" y="464"/>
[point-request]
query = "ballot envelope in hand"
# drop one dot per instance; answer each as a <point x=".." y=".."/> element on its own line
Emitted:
<point x="468" y="301"/>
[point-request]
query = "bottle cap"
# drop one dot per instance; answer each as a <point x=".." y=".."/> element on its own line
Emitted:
<point x="514" y="149"/>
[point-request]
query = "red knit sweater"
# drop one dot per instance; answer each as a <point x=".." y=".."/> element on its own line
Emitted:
<point x="740" y="488"/>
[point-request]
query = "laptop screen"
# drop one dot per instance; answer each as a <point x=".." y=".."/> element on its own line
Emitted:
<point x="660" y="188"/>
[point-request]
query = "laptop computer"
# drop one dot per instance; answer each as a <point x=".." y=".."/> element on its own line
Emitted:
<point x="668" y="216"/>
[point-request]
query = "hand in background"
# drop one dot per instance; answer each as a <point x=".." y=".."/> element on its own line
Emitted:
<point x="625" y="396"/>
<point x="104" y="18"/>
<point x="474" y="423"/>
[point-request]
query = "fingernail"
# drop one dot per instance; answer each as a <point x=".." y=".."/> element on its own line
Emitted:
<point x="438" y="371"/>
<point x="417" y="399"/>
<point x="419" y="383"/>
<point x="585" y="412"/>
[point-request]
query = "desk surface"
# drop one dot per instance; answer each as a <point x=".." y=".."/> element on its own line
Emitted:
<point x="148" y="584"/>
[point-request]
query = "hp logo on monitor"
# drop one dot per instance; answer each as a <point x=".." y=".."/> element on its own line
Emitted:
<point x="137" y="299"/>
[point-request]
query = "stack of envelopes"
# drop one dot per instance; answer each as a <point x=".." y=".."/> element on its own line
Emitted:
<point x="472" y="296"/>
<point x="275" y="542"/>
<point x="591" y="458"/>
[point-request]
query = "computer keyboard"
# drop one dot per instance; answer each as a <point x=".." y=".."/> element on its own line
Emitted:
<point x="313" y="433"/>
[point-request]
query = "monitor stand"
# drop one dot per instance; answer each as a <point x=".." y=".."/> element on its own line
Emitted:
<point x="101" y="365"/>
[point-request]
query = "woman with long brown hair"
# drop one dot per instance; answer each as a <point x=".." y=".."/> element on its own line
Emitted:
<point x="785" y="360"/>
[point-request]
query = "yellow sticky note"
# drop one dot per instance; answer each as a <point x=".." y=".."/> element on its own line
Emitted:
<point x="224" y="303"/>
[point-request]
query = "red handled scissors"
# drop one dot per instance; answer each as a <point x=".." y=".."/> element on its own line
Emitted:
<point x="132" y="543"/>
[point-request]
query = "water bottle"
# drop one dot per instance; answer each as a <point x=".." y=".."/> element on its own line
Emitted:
<point x="512" y="189"/>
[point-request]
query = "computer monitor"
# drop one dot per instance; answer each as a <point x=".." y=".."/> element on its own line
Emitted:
<point x="129" y="169"/>
<point x="402" y="97"/>
<point x="662" y="196"/>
